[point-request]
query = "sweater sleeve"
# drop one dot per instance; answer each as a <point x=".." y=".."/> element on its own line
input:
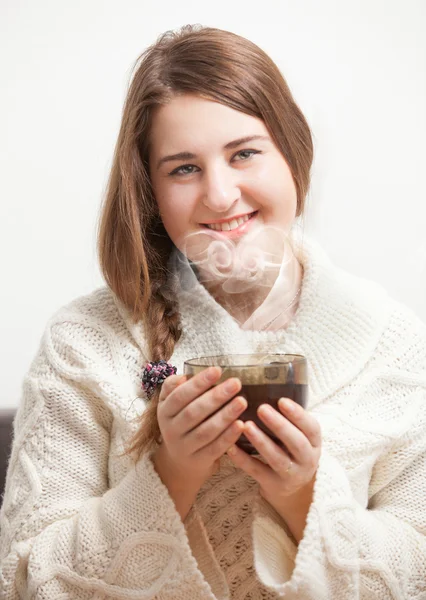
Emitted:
<point x="349" y="550"/>
<point x="64" y="532"/>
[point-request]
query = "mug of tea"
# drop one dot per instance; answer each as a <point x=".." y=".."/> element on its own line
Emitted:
<point x="265" y="378"/>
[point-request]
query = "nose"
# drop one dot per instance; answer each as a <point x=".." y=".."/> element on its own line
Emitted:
<point x="220" y="190"/>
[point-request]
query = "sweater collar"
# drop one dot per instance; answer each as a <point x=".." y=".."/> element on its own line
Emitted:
<point x="337" y="326"/>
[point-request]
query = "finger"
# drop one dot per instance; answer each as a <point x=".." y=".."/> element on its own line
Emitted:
<point x="253" y="467"/>
<point x="169" y="385"/>
<point x="220" y="445"/>
<point x="206" y="405"/>
<point x="302" y="419"/>
<point x="275" y="456"/>
<point x="182" y="395"/>
<point x="211" y="429"/>
<point x="294" y="440"/>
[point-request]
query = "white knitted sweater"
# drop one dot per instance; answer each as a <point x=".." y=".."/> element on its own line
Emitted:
<point x="80" y="521"/>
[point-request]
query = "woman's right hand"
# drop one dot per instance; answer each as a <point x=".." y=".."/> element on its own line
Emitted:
<point x="192" y="443"/>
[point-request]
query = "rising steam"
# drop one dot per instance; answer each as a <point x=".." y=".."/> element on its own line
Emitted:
<point x="260" y="263"/>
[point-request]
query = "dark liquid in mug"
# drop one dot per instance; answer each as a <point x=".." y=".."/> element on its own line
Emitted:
<point x="268" y="393"/>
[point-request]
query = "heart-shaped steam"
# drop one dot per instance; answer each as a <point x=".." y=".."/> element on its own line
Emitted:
<point x="263" y="258"/>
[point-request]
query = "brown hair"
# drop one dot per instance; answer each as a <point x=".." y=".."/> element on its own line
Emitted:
<point x="133" y="246"/>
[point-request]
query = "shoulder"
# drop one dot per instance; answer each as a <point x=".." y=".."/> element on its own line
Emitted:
<point x="99" y="306"/>
<point x="99" y="313"/>
<point x="404" y="341"/>
<point x="89" y="338"/>
<point x="365" y="294"/>
<point x="333" y="292"/>
<point x="85" y="326"/>
<point x="403" y="337"/>
<point x="351" y="326"/>
<point x="401" y="345"/>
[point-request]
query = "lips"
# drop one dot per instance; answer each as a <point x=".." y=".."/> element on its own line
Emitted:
<point x="234" y="222"/>
<point x="219" y="221"/>
<point x="237" y="231"/>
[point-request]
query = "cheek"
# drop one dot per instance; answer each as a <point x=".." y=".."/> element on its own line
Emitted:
<point x="176" y="211"/>
<point x="274" y="187"/>
<point x="286" y="197"/>
<point x="172" y="216"/>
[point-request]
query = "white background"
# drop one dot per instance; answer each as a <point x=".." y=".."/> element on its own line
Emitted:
<point x="356" y="68"/>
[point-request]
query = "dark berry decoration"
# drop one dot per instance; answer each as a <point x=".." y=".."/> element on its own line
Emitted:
<point x="154" y="374"/>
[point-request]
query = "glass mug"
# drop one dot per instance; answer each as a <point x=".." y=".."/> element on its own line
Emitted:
<point x="265" y="378"/>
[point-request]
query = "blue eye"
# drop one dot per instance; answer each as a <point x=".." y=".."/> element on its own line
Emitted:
<point x="179" y="170"/>
<point x="251" y="152"/>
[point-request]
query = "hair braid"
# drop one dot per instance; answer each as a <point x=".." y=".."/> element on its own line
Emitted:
<point x="162" y="324"/>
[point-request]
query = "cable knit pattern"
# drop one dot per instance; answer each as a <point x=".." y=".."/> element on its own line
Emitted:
<point x="81" y="521"/>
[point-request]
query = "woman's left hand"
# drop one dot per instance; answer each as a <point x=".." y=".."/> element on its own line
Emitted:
<point x="287" y="475"/>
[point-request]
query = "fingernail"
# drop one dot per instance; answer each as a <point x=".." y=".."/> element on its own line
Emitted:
<point x="232" y="451"/>
<point x="250" y="427"/>
<point x="231" y="385"/>
<point x="212" y="373"/>
<point x="286" y="404"/>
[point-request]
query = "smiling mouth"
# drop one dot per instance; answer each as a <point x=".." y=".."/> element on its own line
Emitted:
<point x="231" y="224"/>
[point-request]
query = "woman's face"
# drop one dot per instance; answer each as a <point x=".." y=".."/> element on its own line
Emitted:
<point x="202" y="171"/>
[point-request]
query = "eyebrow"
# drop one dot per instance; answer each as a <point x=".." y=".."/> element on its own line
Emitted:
<point x="228" y="146"/>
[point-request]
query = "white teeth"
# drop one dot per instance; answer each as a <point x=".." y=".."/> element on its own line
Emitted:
<point x="230" y="224"/>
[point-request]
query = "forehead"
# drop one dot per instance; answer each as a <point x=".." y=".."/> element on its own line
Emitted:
<point x="189" y="122"/>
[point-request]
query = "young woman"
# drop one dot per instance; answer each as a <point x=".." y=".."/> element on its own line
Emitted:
<point x="118" y="490"/>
